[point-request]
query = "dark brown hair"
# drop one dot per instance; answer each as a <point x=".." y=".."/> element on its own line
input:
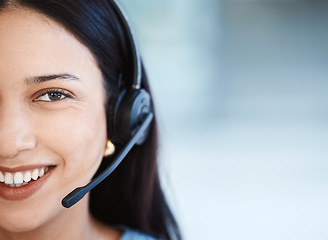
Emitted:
<point x="132" y="196"/>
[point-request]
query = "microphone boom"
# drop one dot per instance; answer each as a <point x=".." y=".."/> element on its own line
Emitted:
<point x="78" y="193"/>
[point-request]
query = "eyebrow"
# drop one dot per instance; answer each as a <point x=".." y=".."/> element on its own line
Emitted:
<point x="45" y="78"/>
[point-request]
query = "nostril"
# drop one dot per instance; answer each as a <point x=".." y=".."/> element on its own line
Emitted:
<point x="8" y="154"/>
<point x="16" y="128"/>
<point x="12" y="145"/>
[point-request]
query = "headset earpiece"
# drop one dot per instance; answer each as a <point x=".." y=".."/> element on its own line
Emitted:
<point x="132" y="107"/>
<point x="133" y="103"/>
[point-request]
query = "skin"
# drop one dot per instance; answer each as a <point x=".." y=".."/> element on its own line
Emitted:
<point x="69" y="132"/>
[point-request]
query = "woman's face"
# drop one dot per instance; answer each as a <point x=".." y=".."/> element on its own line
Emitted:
<point x="52" y="118"/>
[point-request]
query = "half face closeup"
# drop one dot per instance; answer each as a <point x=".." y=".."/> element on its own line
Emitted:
<point x="52" y="118"/>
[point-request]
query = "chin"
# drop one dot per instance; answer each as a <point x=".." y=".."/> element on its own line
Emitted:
<point x="15" y="227"/>
<point x="16" y="224"/>
<point x="22" y="219"/>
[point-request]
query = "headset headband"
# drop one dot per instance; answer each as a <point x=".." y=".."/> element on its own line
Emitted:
<point x="136" y="80"/>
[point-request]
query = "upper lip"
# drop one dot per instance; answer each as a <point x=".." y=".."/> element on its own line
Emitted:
<point x="24" y="168"/>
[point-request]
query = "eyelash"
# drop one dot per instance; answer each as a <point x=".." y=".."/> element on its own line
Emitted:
<point x="62" y="93"/>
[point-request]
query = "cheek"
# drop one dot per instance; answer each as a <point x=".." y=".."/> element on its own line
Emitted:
<point x="77" y="137"/>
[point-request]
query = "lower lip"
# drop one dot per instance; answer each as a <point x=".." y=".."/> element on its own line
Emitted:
<point x="23" y="192"/>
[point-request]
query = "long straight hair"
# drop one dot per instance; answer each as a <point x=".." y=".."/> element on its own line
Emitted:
<point x="132" y="196"/>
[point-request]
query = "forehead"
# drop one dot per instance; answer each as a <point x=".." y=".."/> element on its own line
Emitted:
<point x="32" y="40"/>
<point x="27" y="26"/>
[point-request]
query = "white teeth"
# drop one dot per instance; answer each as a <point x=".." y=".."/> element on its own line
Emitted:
<point x="2" y="178"/>
<point x="41" y="173"/>
<point x="18" y="178"/>
<point x="35" y="174"/>
<point x="9" y="179"/>
<point x="27" y="176"/>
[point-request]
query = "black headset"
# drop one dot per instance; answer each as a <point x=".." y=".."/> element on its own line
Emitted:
<point x="133" y="103"/>
<point x="130" y="119"/>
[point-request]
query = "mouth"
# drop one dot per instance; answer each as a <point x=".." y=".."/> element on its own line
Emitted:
<point x="22" y="178"/>
<point x="20" y="184"/>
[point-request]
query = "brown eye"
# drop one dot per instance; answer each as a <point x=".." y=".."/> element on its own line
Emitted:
<point x="53" y="95"/>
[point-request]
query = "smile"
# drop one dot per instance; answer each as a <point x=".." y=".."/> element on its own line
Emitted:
<point x="18" y="179"/>
<point x="22" y="182"/>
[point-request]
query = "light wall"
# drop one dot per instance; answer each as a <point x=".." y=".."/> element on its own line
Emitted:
<point x="241" y="93"/>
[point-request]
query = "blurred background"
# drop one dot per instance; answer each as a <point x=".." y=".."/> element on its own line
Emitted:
<point x="241" y="95"/>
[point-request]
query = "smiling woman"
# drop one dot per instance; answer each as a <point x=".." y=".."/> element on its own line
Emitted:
<point x="63" y="65"/>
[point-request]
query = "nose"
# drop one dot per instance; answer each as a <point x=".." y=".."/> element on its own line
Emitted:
<point x="16" y="133"/>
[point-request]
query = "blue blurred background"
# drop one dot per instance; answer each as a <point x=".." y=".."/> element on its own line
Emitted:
<point x="241" y="94"/>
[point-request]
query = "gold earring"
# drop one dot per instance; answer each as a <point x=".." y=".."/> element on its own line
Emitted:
<point x="110" y="149"/>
